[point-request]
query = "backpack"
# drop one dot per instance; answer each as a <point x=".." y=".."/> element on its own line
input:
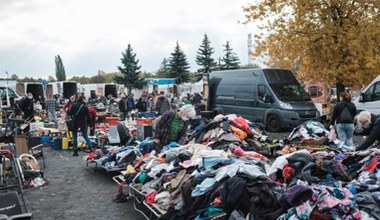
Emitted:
<point x="346" y="116"/>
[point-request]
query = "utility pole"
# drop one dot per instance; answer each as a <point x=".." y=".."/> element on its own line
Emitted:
<point x="249" y="44"/>
<point x="7" y="76"/>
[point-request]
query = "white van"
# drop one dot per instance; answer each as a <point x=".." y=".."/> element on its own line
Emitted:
<point x="369" y="98"/>
<point x="8" y="97"/>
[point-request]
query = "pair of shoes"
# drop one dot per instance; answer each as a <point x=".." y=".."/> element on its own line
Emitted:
<point x="120" y="198"/>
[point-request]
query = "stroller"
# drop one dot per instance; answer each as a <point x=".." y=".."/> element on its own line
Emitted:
<point x="13" y="204"/>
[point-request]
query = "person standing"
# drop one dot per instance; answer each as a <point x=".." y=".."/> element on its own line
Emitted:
<point x="344" y="119"/>
<point x="68" y="104"/>
<point x="142" y="104"/>
<point x="131" y="105"/>
<point x="162" y="104"/>
<point x="123" y="108"/>
<point x="197" y="101"/>
<point x="94" y="118"/>
<point x="82" y="120"/>
<point x="27" y="106"/>
<point x="51" y="105"/>
<point x="366" y="119"/>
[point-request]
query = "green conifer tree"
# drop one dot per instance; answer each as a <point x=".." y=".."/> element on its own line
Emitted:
<point x="179" y="66"/>
<point x="230" y="60"/>
<point x="130" y="71"/>
<point x="60" y="72"/>
<point x="204" y="59"/>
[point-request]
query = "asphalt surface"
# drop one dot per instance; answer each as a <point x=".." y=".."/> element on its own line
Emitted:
<point x="75" y="191"/>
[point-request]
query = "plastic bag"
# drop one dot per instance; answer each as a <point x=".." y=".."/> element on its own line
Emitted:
<point x="332" y="134"/>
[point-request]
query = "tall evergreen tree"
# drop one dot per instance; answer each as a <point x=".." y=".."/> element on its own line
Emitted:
<point x="60" y="72"/>
<point x="230" y="60"/>
<point x="164" y="68"/>
<point x="178" y="66"/>
<point x="130" y="71"/>
<point x="204" y="58"/>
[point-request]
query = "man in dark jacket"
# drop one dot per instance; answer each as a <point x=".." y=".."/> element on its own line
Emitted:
<point x="27" y="106"/>
<point x="82" y="120"/>
<point x="162" y="104"/>
<point x="123" y="108"/>
<point x="366" y="119"/>
<point x="131" y="105"/>
<point x="172" y="126"/>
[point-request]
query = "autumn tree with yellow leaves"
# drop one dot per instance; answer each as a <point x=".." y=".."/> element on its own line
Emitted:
<point x="335" y="42"/>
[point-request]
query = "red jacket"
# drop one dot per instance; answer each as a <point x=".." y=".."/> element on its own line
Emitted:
<point x="93" y="114"/>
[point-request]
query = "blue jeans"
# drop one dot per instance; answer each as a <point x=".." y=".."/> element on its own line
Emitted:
<point x="345" y="133"/>
<point x="51" y="115"/>
<point x="85" y="136"/>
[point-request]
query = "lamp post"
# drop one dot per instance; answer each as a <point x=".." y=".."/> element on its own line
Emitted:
<point x="7" y="76"/>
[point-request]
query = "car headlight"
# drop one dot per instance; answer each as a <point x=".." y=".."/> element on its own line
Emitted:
<point x="285" y="105"/>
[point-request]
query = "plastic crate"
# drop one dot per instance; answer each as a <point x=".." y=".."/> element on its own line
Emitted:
<point x="145" y="121"/>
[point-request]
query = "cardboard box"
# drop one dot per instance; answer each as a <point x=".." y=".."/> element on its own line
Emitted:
<point x="36" y="125"/>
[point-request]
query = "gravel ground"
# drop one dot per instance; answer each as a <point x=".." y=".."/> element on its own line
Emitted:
<point x="77" y="192"/>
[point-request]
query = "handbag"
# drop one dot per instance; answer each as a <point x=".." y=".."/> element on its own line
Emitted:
<point x="70" y="122"/>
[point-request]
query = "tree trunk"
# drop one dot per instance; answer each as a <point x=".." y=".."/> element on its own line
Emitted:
<point x="339" y="88"/>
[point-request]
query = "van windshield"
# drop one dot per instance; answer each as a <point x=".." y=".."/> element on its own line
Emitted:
<point x="285" y="85"/>
<point x="290" y="92"/>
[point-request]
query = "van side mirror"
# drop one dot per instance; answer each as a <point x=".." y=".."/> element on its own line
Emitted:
<point x="267" y="98"/>
<point x="362" y="97"/>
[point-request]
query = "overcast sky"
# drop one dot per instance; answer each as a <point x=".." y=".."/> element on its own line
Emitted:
<point x="90" y="35"/>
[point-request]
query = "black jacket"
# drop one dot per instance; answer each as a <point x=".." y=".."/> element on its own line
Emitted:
<point x="374" y="135"/>
<point x="83" y="119"/>
<point x="338" y="110"/>
<point x="123" y="105"/>
<point x="27" y="106"/>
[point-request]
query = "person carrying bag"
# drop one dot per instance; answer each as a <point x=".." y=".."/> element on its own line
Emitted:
<point x="82" y="120"/>
<point x="70" y="122"/>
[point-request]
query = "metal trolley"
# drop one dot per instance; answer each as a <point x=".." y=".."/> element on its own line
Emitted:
<point x="13" y="204"/>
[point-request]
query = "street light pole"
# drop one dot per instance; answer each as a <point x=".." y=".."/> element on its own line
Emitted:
<point x="7" y="76"/>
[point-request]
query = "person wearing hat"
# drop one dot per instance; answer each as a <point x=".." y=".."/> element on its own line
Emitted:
<point x="172" y="126"/>
<point x="371" y="121"/>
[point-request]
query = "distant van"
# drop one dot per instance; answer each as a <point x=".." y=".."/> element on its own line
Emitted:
<point x="369" y="98"/>
<point x="8" y="97"/>
<point x="271" y="96"/>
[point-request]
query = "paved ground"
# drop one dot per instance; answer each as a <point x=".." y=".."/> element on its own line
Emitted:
<point x="76" y="192"/>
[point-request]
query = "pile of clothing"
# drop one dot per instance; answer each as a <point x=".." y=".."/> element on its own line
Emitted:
<point x="221" y="171"/>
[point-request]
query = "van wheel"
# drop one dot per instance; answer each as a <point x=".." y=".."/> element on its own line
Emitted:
<point x="273" y="123"/>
